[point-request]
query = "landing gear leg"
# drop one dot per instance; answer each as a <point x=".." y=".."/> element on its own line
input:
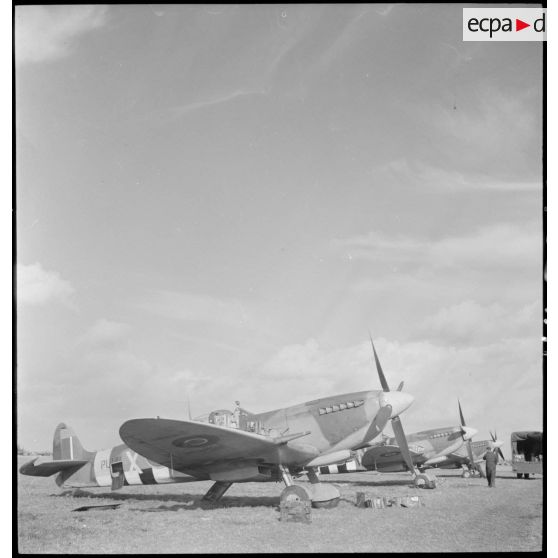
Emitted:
<point x="292" y="492"/>
<point x="285" y="475"/>
<point x="215" y="493"/>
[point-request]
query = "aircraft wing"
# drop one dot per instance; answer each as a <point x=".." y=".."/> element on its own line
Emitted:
<point x="384" y="458"/>
<point x="191" y="445"/>
<point x="49" y="468"/>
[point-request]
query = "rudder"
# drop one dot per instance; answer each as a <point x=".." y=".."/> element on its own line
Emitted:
<point x="66" y="445"/>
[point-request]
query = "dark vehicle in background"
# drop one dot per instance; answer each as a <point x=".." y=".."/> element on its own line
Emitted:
<point x="527" y="453"/>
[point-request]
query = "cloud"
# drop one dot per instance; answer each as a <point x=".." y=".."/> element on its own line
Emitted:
<point x="47" y="33"/>
<point x="217" y="100"/>
<point x="384" y="11"/>
<point x="104" y="332"/>
<point x="492" y="379"/>
<point x="486" y="127"/>
<point x="471" y="322"/>
<point x="427" y="176"/>
<point x="36" y="286"/>
<point x="196" y="308"/>
<point x="107" y="385"/>
<point x="500" y="245"/>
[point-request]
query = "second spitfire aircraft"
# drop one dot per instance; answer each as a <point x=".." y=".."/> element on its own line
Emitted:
<point x="446" y="448"/>
<point x="237" y="447"/>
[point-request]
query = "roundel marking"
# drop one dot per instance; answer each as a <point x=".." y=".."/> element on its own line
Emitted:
<point x="194" y="442"/>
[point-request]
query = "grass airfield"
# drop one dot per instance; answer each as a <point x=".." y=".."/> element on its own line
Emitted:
<point x="460" y="515"/>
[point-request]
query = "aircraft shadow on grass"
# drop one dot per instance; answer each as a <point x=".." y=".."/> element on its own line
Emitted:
<point x="184" y="501"/>
<point x="499" y="477"/>
<point x="379" y="482"/>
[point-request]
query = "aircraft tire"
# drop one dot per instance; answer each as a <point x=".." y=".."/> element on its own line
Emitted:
<point x="525" y="475"/>
<point x="294" y="493"/>
<point x="466" y="474"/>
<point x="519" y="475"/>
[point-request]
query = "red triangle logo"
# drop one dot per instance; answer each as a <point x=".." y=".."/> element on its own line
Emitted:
<point x="519" y="25"/>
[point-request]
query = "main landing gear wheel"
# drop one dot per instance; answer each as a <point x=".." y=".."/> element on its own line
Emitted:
<point x="294" y="493"/>
<point x="466" y="474"/>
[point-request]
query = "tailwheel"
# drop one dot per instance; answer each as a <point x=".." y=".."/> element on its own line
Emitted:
<point x="294" y="493"/>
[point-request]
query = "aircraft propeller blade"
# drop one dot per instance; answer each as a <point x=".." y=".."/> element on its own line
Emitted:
<point x="468" y="442"/>
<point x="471" y="455"/>
<point x="495" y="439"/>
<point x="383" y="380"/>
<point x="461" y="414"/>
<point x="396" y="425"/>
<point x="377" y="425"/>
<point x="401" y="440"/>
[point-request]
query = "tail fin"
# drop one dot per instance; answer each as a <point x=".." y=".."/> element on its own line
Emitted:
<point x="66" y="445"/>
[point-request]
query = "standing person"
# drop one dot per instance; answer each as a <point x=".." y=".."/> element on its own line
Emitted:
<point x="491" y="458"/>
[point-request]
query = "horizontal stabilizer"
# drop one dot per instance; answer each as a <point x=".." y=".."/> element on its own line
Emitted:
<point x="49" y="468"/>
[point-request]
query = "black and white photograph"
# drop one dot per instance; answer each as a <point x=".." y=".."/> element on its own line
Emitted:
<point x="279" y="278"/>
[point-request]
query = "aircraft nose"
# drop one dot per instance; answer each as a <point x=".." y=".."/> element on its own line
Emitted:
<point x="468" y="432"/>
<point x="398" y="400"/>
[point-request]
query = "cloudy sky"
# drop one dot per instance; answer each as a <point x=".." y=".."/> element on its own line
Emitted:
<point x="220" y="202"/>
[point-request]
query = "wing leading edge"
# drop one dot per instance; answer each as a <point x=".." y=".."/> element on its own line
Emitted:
<point x="190" y="445"/>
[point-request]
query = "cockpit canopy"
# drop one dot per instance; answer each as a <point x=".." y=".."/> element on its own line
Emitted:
<point x="239" y="418"/>
<point x="221" y="417"/>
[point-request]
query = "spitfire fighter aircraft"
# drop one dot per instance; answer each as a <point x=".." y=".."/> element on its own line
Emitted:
<point x="470" y="457"/>
<point x="447" y="448"/>
<point x="236" y="447"/>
